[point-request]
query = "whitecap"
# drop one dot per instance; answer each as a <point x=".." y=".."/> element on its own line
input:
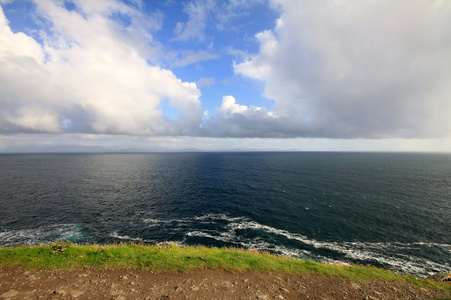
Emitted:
<point x="42" y="234"/>
<point x="364" y="252"/>
<point x="115" y="235"/>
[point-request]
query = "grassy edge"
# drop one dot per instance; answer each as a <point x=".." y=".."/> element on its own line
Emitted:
<point x="175" y="258"/>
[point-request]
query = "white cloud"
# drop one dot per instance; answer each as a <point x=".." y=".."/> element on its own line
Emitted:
<point x="358" y="68"/>
<point x="205" y="81"/>
<point x="208" y="14"/>
<point x="229" y="106"/>
<point x="194" y="28"/>
<point x="91" y="75"/>
<point x="189" y="57"/>
<point x="335" y="69"/>
<point x="229" y="11"/>
<point x="237" y="120"/>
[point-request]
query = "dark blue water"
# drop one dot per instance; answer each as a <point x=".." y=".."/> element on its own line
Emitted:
<point x="385" y="209"/>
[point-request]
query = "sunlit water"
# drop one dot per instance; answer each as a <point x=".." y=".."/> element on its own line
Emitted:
<point x="389" y="210"/>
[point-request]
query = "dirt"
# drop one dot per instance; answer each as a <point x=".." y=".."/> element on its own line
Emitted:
<point x="17" y="283"/>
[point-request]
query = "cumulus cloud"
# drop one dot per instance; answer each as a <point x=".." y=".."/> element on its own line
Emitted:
<point x="334" y="69"/>
<point x="355" y="69"/>
<point x="230" y="107"/>
<point x="237" y="120"/>
<point x="90" y="74"/>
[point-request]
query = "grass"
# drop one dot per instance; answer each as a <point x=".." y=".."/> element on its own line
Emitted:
<point x="171" y="257"/>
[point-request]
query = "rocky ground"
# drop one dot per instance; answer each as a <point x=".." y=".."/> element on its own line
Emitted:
<point x="17" y="283"/>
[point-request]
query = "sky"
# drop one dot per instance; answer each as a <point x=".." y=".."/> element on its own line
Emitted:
<point x="269" y="75"/>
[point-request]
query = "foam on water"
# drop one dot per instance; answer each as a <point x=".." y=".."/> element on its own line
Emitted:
<point x="115" y="235"/>
<point x="246" y="233"/>
<point x="43" y="234"/>
<point x="234" y="229"/>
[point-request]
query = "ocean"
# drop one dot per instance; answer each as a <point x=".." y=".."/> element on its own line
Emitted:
<point x="390" y="210"/>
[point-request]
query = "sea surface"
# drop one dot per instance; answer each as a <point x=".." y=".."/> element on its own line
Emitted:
<point x="391" y="210"/>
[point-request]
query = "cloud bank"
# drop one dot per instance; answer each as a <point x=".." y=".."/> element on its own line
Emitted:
<point x="358" y="69"/>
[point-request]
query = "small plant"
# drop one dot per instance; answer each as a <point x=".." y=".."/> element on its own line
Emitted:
<point x="98" y="249"/>
<point x="58" y="247"/>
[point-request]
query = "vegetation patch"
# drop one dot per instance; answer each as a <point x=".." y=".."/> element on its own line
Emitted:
<point x="175" y="258"/>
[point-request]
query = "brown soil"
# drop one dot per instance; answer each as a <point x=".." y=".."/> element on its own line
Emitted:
<point x="17" y="283"/>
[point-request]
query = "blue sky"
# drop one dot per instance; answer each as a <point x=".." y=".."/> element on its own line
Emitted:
<point x="113" y="75"/>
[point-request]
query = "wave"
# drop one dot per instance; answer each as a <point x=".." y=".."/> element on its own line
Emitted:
<point x="115" y="235"/>
<point x="247" y="233"/>
<point x="42" y="234"/>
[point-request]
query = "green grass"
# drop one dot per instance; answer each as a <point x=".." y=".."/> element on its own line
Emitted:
<point x="171" y="257"/>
